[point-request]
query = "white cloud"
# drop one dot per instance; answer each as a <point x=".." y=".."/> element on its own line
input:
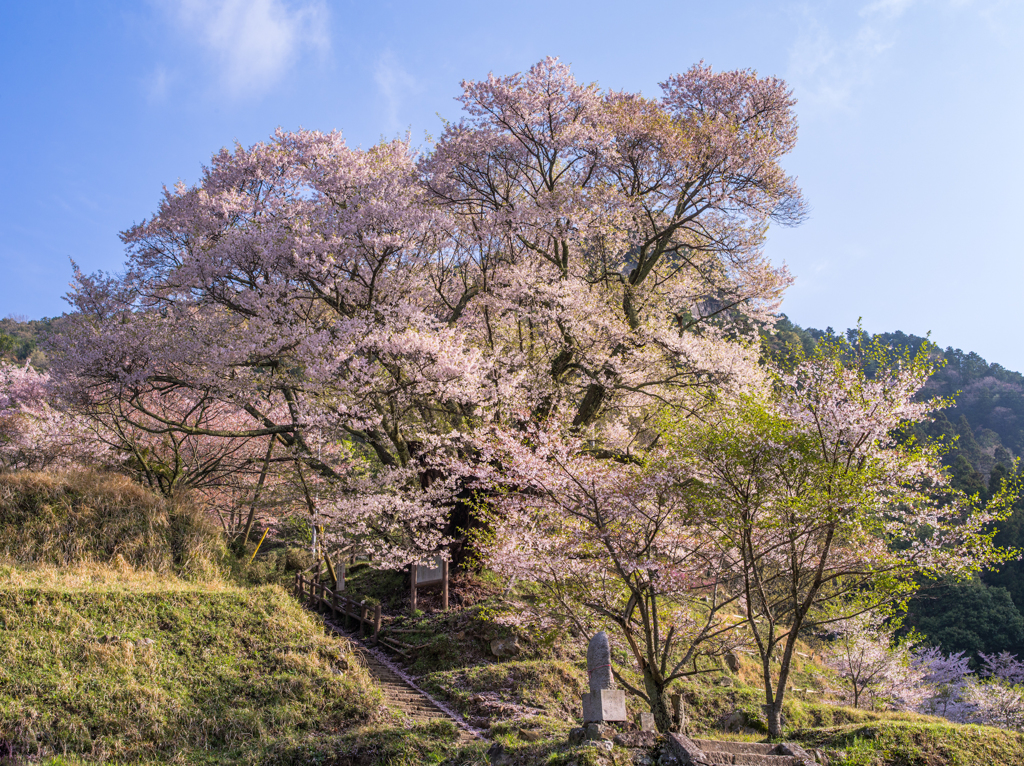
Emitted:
<point x="832" y="62"/>
<point x="829" y="70"/>
<point x="255" y="41"/>
<point x="888" y="8"/>
<point x="393" y="83"/>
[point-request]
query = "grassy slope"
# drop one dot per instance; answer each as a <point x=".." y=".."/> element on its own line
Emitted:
<point x="227" y="668"/>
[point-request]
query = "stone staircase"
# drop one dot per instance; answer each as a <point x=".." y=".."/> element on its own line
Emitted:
<point x="709" y="752"/>
<point x="399" y="694"/>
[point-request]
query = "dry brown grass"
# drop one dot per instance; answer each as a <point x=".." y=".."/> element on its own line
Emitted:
<point x="90" y="517"/>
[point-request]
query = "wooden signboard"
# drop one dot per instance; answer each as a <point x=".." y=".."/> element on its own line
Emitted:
<point x="432" y="573"/>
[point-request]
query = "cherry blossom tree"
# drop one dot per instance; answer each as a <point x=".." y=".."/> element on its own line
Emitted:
<point x="943" y="685"/>
<point x="864" y="653"/>
<point x="610" y="543"/>
<point x="144" y="440"/>
<point x="559" y="251"/>
<point x="288" y="286"/>
<point x="35" y="434"/>
<point x="603" y="245"/>
<point x="822" y="503"/>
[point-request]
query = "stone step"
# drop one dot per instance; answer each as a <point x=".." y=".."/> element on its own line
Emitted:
<point x="750" y="759"/>
<point x="711" y="751"/>
<point x="723" y="746"/>
<point x="401" y="697"/>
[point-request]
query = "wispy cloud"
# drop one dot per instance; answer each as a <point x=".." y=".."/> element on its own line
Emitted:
<point x="828" y="69"/>
<point x="888" y="8"/>
<point x="157" y="84"/>
<point x="394" y="84"/>
<point x="254" y="42"/>
<point x="831" y="62"/>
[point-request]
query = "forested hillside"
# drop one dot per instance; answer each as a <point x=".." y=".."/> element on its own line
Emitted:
<point x="20" y="338"/>
<point x="984" y="432"/>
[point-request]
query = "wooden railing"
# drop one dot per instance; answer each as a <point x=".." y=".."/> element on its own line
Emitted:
<point x="320" y="596"/>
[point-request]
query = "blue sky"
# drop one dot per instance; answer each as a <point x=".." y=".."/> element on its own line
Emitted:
<point x="910" y="151"/>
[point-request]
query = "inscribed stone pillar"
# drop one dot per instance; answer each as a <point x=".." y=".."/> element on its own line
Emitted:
<point x="603" y="703"/>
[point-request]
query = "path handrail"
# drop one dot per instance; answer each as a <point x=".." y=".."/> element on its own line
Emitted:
<point x="319" y="595"/>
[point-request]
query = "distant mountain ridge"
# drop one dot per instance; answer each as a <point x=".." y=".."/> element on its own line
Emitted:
<point x="988" y="416"/>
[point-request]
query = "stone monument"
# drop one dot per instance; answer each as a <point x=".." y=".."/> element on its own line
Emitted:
<point x="604" y="703"/>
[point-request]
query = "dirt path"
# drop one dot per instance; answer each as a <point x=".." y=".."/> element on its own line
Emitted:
<point x="400" y="693"/>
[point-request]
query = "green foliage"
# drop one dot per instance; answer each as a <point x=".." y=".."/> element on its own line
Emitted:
<point x="22" y="338"/>
<point x="296" y="529"/>
<point x="434" y="742"/>
<point x="968" y="617"/>
<point x="502" y="690"/>
<point x="913" y="743"/>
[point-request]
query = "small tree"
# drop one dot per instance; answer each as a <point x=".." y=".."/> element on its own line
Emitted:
<point x="864" y="655"/>
<point x="610" y="541"/>
<point x="35" y="433"/>
<point x="813" y="488"/>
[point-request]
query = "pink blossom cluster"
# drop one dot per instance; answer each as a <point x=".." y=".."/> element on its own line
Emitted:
<point x="35" y="434"/>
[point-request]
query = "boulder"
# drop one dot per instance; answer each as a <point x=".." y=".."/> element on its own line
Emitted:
<point x="497" y="755"/>
<point x="505" y="647"/>
<point x="636" y="739"/>
<point x="598" y="732"/>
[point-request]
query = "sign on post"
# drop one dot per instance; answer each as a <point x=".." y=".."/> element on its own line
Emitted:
<point x="432" y="573"/>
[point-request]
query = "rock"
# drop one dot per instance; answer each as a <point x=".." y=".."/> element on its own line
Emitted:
<point x="736" y="721"/>
<point x="577" y="735"/>
<point x="497" y="755"/>
<point x="795" y="751"/>
<point x="505" y="647"/>
<point x="598" y="732"/>
<point x="604" y="745"/>
<point x="636" y="739"/>
<point x="732" y="662"/>
<point x="599" y="663"/>
<point x="645" y="722"/>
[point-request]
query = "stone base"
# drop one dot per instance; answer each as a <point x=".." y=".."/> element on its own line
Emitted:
<point x="604" y="705"/>
<point x="645" y="722"/>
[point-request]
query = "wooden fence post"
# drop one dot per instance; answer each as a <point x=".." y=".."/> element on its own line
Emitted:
<point x="412" y="587"/>
<point x="444" y="585"/>
<point x="334" y="603"/>
<point x="362" y="618"/>
<point x="376" y="622"/>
